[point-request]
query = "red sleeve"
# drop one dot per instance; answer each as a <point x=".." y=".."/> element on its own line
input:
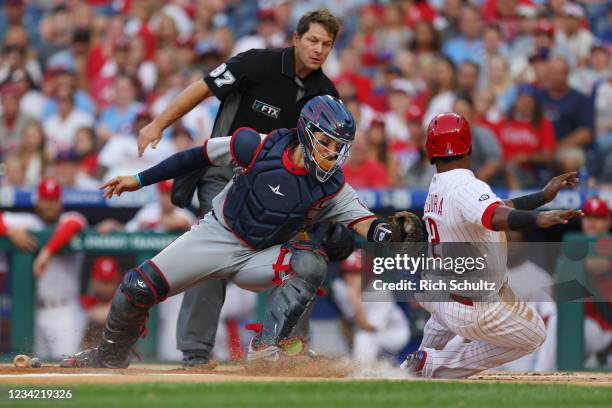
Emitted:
<point x="3" y="227"/>
<point x="548" y="140"/>
<point x="64" y="233"/>
<point x="487" y="215"/>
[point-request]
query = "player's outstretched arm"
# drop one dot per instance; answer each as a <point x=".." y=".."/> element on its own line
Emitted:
<point x="180" y="105"/>
<point x="506" y="218"/>
<point x="178" y="164"/>
<point x="118" y="185"/>
<point x="535" y="200"/>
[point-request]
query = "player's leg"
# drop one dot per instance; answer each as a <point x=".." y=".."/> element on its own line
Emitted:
<point x="436" y="334"/>
<point x="198" y="320"/>
<point x="366" y="347"/>
<point x="43" y="327"/>
<point x="199" y="315"/>
<point x="396" y="333"/>
<point x="240" y="307"/>
<point x="297" y="269"/>
<point x="498" y="332"/>
<point x="167" y="315"/>
<point x="170" y="272"/>
<point x="468" y="359"/>
<point x="68" y="328"/>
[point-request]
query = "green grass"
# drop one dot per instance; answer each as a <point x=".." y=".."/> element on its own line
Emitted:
<point x="387" y="394"/>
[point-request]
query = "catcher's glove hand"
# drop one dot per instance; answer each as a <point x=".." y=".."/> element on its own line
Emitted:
<point x="406" y="227"/>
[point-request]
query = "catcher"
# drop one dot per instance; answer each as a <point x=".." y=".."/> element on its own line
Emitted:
<point x="284" y="183"/>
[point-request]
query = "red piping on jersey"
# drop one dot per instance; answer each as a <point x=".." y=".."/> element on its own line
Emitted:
<point x="290" y="165"/>
<point x="358" y="220"/>
<point x="254" y="158"/>
<point x="63" y="234"/>
<point x="205" y="149"/>
<point x="232" y="142"/>
<point x="487" y="215"/>
<point x="3" y="227"/>
<point x="150" y="262"/>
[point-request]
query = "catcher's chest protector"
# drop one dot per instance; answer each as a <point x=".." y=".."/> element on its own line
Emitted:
<point x="268" y="204"/>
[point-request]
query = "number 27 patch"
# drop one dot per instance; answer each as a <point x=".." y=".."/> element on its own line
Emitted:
<point x="226" y="79"/>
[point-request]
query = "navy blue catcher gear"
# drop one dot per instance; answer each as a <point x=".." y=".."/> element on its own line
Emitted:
<point x="269" y="203"/>
<point x="328" y="115"/>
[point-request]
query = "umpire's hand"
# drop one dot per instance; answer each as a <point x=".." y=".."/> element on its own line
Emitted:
<point x="150" y="134"/>
<point x="118" y="185"/>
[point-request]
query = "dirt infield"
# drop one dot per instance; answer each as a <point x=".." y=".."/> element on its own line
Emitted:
<point x="313" y="371"/>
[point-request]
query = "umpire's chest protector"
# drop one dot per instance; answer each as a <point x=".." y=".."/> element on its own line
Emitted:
<point x="270" y="202"/>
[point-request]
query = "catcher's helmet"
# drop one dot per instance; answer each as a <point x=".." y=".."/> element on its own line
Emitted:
<point x="328" y="115"/>
<point x="448" y="134"/>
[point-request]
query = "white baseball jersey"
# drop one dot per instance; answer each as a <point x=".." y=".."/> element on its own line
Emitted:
<point x="60" y="282"/>
<point x="503" y="328"/>
<point x="458" y="208"/>
<point x="455" y="207"/>
<point x="60" y="320"/>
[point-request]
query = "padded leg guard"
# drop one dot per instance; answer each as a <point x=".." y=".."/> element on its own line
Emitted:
<point x="141" y="288"/>
<point x="290" y="299"/>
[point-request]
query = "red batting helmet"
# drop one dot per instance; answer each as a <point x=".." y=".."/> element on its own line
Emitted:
<point x="448" y="134"/>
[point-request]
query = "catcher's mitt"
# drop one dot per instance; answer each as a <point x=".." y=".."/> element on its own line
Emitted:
<point x="406" y="227"/>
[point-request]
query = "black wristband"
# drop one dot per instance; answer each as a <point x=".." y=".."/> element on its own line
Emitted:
<point x="379" y="231"/>
<point x="520" y="219"/>
<point x="529" y="202"/>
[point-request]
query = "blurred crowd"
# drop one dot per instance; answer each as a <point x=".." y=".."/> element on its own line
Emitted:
<point x="79" y="79"/>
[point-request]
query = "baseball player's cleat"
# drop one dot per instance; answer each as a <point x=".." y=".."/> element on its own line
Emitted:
<point x="88" y="359"/>
<point x="414" y="362"/>
<point x="264" y="353"/>
<point x="83" y="359"/>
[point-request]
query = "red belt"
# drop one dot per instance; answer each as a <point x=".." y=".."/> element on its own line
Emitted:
<point x="462" y="299"/>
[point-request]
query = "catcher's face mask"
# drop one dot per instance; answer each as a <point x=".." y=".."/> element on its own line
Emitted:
<point x="323" y="152"/>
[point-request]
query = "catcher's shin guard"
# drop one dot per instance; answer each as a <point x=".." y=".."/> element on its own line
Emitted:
<point x="141" y="288"/>
<point x="290" y="299"/>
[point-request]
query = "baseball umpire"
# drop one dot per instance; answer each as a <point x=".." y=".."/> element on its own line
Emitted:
<point x="260" y="89"/>
<point x="284" y="182"/>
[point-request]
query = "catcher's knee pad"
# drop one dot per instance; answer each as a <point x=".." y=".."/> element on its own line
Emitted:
<point x="308" y="262"/>
<point x="145" y="286"/>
